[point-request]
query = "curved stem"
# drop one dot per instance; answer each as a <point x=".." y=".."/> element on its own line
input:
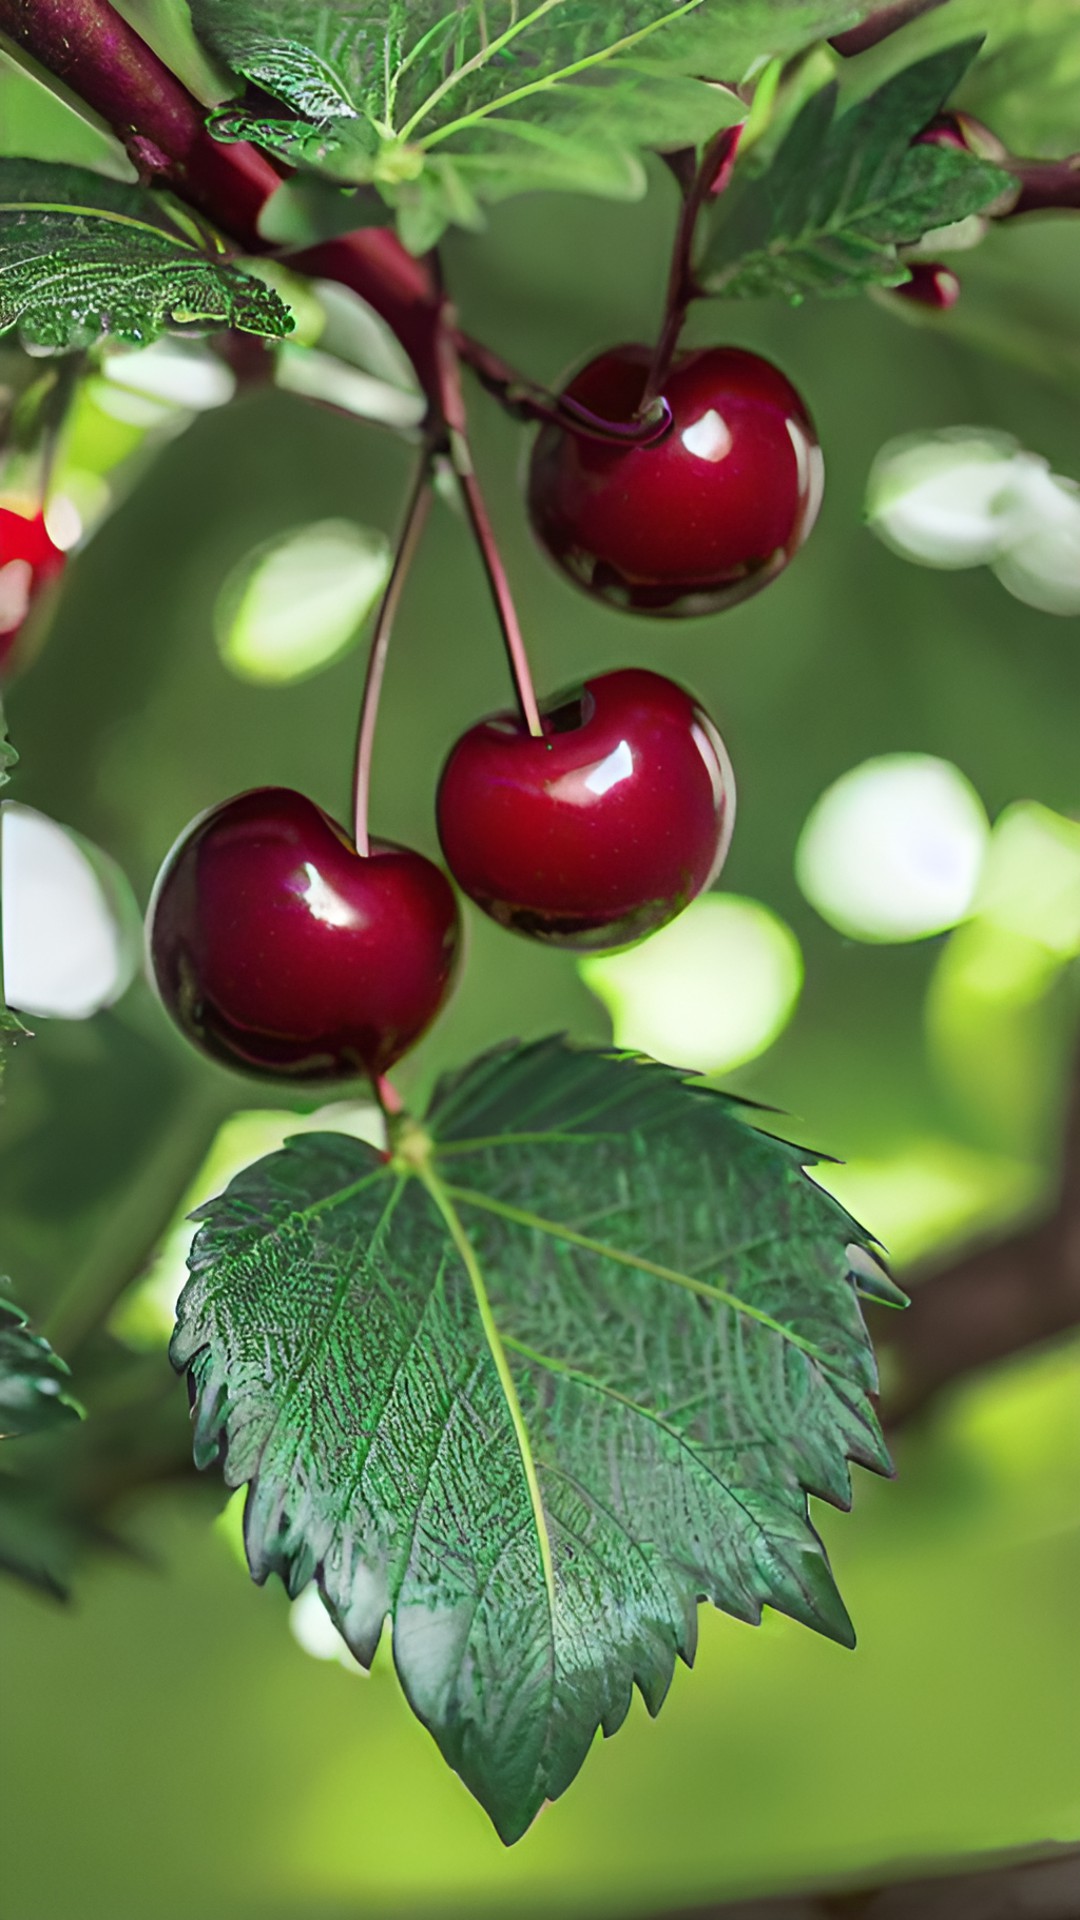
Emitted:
<point x="453" y="409"/>
<point x="525" y="399"/>
<point x="416" y="512"/>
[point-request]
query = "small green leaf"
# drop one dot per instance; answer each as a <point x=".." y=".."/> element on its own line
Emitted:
<point x="82" y="256"/>
<point x="561" y="1366"/>
<point x="444" y="107"/>
<point x="32" y="1378"/>
<point x="841" y="196"/>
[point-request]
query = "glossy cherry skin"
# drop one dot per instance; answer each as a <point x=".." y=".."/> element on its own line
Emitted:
<point x="29" y="560"/>
<point x="603" y="829"/>
<point x="697" y="520"/>
<point x="278" y="949"/>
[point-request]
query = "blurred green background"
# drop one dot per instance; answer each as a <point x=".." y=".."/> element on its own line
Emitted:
<point x="167" y="1743"/>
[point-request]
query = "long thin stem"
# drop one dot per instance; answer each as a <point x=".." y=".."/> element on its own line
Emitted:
<point x="453" y="410"/>
<point x="709" y="180"/>
<point x="416" y="513"/>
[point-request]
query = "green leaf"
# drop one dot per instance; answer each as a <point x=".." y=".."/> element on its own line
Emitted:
<point x="1025" y="83"/>
<point x="841" y="196"/>
<point x="32" y="1378"/>
<point x="82" y="256"/>
<point x="563" y="1364"/>
<point x="443" y="107"/>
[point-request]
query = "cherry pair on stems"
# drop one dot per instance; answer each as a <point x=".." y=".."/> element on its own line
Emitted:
<point x="279" y="948"/>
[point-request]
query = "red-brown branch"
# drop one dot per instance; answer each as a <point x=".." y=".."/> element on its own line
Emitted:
<point x="995" y="1300"/>
<point x="1047" y="186"/>
<point x="87" y="44"/>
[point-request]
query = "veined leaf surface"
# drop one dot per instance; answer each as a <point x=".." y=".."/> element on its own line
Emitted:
<point x="562" y="1364"/>
<point x="82" y="256"/>
<point x="435" y="103"/>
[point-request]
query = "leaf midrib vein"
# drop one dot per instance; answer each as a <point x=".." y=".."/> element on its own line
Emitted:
<point x="442" y="1197"/>
<point x="557" y="1231"/>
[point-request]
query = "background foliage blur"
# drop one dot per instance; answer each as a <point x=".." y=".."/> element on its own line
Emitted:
<point x="167" y="1740"/>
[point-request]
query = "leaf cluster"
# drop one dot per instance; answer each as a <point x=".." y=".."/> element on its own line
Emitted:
<point x="564" y="1362"/>
<point x="842" y="195"/>
<point x="83" y="256"/>
<point x="444" y="108"/>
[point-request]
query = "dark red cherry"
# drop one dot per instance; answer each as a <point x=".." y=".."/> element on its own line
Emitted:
<point x="29" y="560"/>
<point x="279" y="949"/>
<point x="603" y="829"/>
<point x="698" y="519"/>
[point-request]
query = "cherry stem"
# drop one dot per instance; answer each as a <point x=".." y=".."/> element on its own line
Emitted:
<point x="453" y="410"/>
<point x="708" y="182"/>
<point x="416" y="512"/>
<point x="527" y="400"/>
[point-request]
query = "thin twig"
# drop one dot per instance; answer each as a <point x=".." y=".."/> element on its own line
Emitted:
<point x="996" y="1299"/>
<point x="711" y="177"/>
<point x="452" y="402"/>
<point x="416" y="512"/>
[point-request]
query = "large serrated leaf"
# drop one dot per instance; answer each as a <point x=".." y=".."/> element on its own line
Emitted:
<point x="562" y="1364"/>
<point x="841" y="196"/>
<point x="82" y="256"/>
<point x="33" y="1378"/>
<point x="441" y="106"/>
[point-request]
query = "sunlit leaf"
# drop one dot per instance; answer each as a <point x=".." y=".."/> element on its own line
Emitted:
<point x="72" y="928"/>
<point x="893" y="850"/>
<point x="563" y="1364"/>
<point x="299" y="601"/>
<point x="713" y="989"/>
